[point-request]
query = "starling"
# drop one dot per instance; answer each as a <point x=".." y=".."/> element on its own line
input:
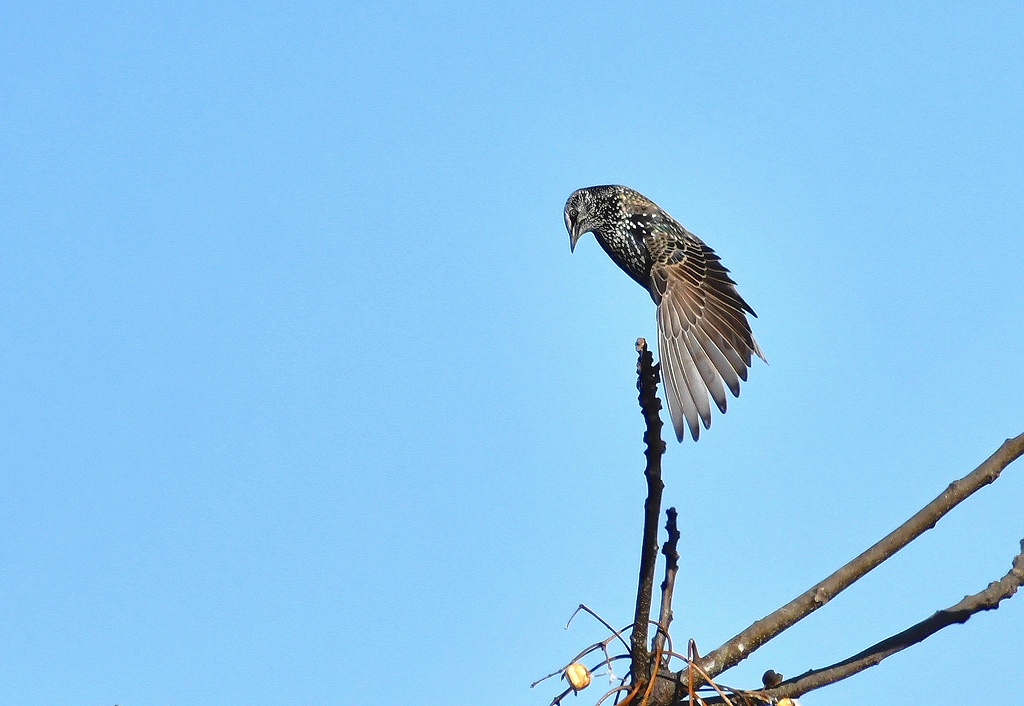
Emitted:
<point x="704" y="339"/>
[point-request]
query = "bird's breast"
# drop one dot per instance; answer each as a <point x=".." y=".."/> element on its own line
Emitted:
<point x="628" y="253"/>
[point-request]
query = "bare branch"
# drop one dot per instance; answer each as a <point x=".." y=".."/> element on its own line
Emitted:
<point x="671" y="551"/>
<point x="742" y="645"/>
<point x="648" y="376"/>
<point x="655" y="683"/>
<point x="613" y="631"/>
<point x="989" y="599"/>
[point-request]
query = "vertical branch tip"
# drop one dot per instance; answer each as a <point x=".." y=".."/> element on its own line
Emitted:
<point x="648" y="378"/>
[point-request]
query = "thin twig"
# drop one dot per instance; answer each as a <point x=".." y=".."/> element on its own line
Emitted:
<point x="742" y="645"/>
<point x="633" y="691"/>
<point x="607" y="663"/>
<point x="616" y="690"/>
<point x="558" y="699"/>
<point x="694" y="659"/>
<point x="602" y="645"/>
<point x="648" y="376"/>
<point x="691" y="688"/>
<point x="613" y="631"/>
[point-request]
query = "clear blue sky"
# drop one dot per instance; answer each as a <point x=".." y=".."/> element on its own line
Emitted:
<point x="306" y="401"/>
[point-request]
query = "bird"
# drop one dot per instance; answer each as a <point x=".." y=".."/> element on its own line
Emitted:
<point x="705" y="343"/>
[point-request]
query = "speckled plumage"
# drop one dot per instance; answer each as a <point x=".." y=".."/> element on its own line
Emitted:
<point x="704" y="338"/>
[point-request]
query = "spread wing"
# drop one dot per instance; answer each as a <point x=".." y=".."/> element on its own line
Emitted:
<point x="704" y="339"/>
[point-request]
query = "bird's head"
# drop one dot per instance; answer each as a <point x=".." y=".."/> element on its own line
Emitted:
<point x="591" y="209"/>
<point x="580" y="215"/>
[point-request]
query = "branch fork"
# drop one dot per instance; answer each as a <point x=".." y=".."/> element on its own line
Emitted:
<point x="650" y="680"/>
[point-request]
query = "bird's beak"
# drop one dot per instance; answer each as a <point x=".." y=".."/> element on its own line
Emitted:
<point x="574" y="235"/>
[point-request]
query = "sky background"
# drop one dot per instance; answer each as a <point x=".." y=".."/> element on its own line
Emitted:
<point x="305" y="400"/>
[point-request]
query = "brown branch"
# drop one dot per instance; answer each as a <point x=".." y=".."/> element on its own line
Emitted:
<point x="648" y="376"/>
<point x="742" y="645"/>
<point x="671" y="551"/>
<point x="989" y="599"/>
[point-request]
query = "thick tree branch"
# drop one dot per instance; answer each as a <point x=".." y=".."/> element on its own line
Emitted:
<point x="989" y="599"/>
<point x="743" y="644"/>
<point x="648" y="376"/>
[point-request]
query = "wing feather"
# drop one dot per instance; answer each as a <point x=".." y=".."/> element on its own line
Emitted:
<point x="681" y="405"/>
<point x="704" y="339"/>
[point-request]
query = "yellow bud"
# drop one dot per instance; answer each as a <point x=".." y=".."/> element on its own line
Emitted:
<point x="578" y="676"/>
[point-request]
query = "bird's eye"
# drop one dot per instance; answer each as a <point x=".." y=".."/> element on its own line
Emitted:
<point x="573" y="213"/>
